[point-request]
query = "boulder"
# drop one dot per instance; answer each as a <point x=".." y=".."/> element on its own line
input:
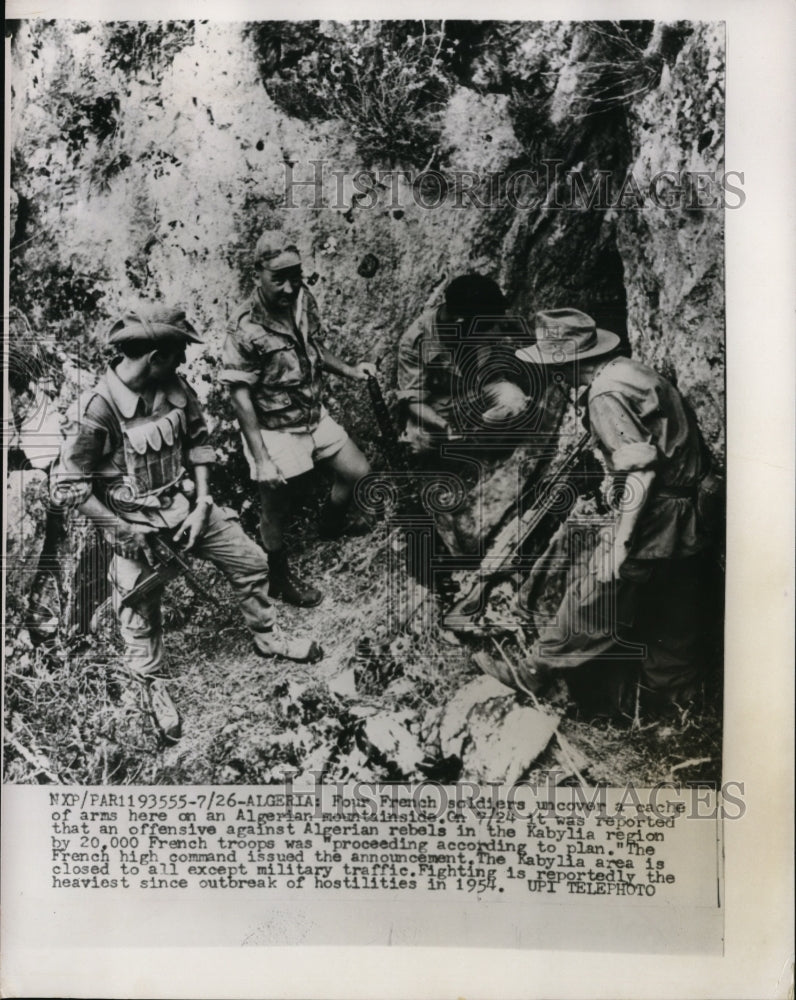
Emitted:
<point x="496" y="738"/>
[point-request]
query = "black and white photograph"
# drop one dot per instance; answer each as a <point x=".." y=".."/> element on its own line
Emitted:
<point x="367" y="401"/>
<point x="371" y="406"/>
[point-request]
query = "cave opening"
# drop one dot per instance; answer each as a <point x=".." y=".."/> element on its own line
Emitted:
<point x="566" y="254"/>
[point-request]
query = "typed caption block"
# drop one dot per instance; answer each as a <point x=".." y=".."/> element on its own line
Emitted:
<point x="636" y="846"/>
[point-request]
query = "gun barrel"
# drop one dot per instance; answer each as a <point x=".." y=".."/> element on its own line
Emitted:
<point x="156" y="580"/>
<point x="172" y="560"/>
<point x="505" y="547"/>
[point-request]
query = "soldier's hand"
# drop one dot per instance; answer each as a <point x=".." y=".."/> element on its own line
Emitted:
<point x="129" y="540"/>
<point x="363" y="370"/>
<point x="607" y="558"/>
<point x="446" y="431"/>
<point x="268" y="474"/>
<point x="194" y="525"/>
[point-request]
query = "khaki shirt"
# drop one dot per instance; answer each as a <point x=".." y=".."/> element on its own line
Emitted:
<point x="638" y="421"/>
<point x="451" y="375"/>
<point x="427" y="370"/>
<point x="92" y="457"/>
<point x="281" y="363"/>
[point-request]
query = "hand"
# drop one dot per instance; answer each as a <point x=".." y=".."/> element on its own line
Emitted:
<point x="194" y="524"/>
<point x="439" y="429"/>
<point x="363" y="370"/>
<point x="607" y="558"/>
<point x="129" y="540"/>
<point x="444" y="430"/>
<point x="451" y="434"/>
<point x="268" y="474"/>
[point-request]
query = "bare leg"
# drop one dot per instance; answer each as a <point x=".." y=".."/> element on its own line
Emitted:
<point x="348" y="466"/>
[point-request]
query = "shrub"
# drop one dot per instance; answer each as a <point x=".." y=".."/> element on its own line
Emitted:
<point x="136" y="47"/>
<point x="388" y="81"/>
<point x="626" y="63"/>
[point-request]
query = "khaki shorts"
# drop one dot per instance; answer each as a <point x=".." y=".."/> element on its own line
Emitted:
<point x="296" y="451"/>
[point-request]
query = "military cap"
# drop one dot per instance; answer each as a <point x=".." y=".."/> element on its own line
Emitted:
<point x="276" y="250"/>
<point x="155" y="322"/>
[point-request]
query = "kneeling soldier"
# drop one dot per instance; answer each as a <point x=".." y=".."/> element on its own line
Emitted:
<point x="457" y="375"/>
<point x="639" y="596"/>
<point x="130" y="443"/>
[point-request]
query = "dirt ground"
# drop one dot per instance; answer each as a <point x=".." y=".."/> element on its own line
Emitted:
<point x="370" y="710"/>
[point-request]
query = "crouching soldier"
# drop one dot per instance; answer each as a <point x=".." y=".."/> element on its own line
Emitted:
<point x="131" y="444"/>
<point x="639" y="597"/>
<point x="457" y="374"/>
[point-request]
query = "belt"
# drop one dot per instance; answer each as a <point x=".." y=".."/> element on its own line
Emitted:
<point x="167" y="495"/>
<point x="676" y="493"/>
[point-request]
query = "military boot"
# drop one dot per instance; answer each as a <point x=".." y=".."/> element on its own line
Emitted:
<point x="285" y="584"/>
<point x="274" y="642"/>
<point x="164" y="711"/>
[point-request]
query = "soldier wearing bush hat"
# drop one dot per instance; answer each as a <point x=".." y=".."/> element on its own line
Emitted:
<point x="135" y="461"/>
<point x="648" y="569"/>
<point x="152" y="324"/>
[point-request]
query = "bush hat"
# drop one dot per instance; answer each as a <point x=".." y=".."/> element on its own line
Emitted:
<point x="147" y="321"/>
<point x="276" y="250"/>
<point x="566" y="335"/>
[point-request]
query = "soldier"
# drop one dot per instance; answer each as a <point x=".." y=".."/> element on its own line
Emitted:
<point x="455" y="368"/>
<point x="273" y="362"/>
<point x="130" y="444"/>
<point x="640" y="592"/>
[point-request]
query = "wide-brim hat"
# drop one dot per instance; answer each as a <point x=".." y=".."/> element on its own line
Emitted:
<point x="566" y="335"/>
<point x="276" y="250"/>
<point x="152" y="322"/>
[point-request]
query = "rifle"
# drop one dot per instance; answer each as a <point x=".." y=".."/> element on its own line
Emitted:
<point x="416" y="593"/>
<point x="504" y="552"/>
<point x="169" y="565"/>
<point x="389" y="435"/>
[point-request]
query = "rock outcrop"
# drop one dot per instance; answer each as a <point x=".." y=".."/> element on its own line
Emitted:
<point x="146" y="157"/>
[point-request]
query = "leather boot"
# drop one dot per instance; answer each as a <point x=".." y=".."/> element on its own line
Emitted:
<point x="164" y="712"/>
<point x="276" y="643"/>
<point x="285" y="584"/>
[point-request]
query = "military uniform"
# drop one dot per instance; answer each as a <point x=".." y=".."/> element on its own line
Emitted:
<point x="282" y="364"/>
<point x="136" y="459"/>
<point x="652" y="612"/>
<point x="427" y="370"/>
<point x="448" y="377"/>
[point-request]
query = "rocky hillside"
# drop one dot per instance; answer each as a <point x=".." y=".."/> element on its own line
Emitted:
<point x="145" y="158"/>
<point x="575" y="163"/>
